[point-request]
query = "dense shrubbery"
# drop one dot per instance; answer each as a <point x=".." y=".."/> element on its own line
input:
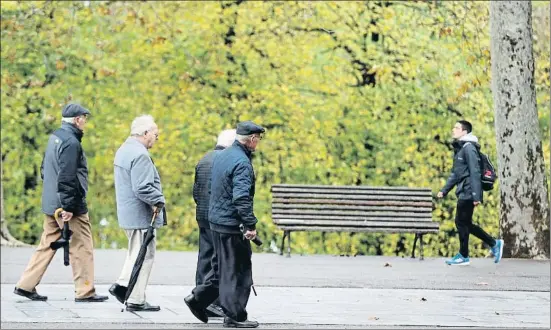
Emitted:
<point x="353" y="93"/>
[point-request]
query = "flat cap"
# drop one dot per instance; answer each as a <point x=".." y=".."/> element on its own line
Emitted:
<point x="74" y="110"/>
<point x="248" y="128"/>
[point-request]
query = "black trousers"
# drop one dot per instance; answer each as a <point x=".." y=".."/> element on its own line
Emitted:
<point x="231" y="280"/>
<point x="465" y="227"/>
<point x="206" y="260"/>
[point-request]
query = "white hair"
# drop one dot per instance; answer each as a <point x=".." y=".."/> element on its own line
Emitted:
<point x="70" y="120"/>
<point x="226" y="138"/>
<point x="243" y="138"/>
<point x="142" y="124"/>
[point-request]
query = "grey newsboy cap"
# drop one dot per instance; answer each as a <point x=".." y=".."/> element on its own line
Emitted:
<point x="74" y="110"/>
<point x="248" y="128"/>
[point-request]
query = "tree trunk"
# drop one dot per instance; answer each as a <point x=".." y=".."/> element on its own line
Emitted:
<point x="524" y="208"/>
<point x="6" y="239"/>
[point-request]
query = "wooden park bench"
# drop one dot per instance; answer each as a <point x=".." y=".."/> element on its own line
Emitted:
<point x="352" y="209"/>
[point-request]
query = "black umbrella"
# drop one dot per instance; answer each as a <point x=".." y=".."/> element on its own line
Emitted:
<point x="63" y="241"/>
<point x="148" y="237"/>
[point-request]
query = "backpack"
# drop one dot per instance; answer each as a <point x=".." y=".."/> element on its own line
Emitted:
<point x="487" y="172"/>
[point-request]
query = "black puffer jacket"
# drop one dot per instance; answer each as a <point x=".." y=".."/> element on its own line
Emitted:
<point x="466" y="170"/>
<point x="201" y="193"/>
<point x="232" y="190"/>
<point x="65" y="172"/>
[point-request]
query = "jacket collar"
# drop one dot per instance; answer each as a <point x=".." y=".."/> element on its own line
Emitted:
<point x="218" y="147"/>
<point x="246" y="150"/>
<point x="73" y="129"/>
<point x="132" y="140"/>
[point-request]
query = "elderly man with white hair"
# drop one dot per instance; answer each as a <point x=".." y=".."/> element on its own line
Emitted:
<point x="206" y="261"/>
<point x="138" y="193"/>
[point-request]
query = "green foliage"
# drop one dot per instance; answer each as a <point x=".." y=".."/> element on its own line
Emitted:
<point x="351" y="93"/>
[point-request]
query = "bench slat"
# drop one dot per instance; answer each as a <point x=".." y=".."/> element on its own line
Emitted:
<point x="354" y="197"/>
<point x="355" y="192"/>
<point x="328" y="187"/>
<point x="278" y="206"/>
<point x="350" y="202"/>
<point x="359" y="229"/>
<point x="329" y="218"/>
<point x="356" y="213"/>
<point x="372" y="224"/>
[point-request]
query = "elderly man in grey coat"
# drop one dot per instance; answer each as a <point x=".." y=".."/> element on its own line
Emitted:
<point x="138" y="192"/>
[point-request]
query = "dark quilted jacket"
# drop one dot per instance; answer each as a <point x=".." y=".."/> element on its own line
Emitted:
<point x="201" y="189"/>
<point x="232" y="190"/>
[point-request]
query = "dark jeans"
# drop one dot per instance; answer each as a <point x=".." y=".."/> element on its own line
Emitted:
<point x="465" y="227"/>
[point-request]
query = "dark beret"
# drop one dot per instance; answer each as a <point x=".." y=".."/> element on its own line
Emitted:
<point x="248" y="128"/>
<point x="74" y="110"/>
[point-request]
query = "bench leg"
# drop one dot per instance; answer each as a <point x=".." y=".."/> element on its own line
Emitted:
<point x="349" y="247"/>
<point x="288" y="244"/>
<point x="283" y="243"/>
<point x="414" y="244"/>
<point x="421" y="247"/>
<point x="323" y="241"/>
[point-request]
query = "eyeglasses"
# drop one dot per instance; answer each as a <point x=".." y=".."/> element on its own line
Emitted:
<point x="259" y="136"/>
<point x="156" y="134"/>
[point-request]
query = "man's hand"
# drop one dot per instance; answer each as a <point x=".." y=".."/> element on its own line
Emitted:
<point x="250" y="234"/>
<point x="476" y="203"/>
<point x="158" y="207"/>
<point x="440" y="194"/>
<point x="66" y="216"/>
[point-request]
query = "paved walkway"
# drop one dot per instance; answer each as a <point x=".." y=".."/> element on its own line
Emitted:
<point x="302" y="292"/>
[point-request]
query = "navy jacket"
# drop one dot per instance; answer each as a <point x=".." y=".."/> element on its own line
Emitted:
<point x="232" y="190"/>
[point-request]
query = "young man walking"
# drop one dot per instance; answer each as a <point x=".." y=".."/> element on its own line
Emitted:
<point x="466" y="175"/>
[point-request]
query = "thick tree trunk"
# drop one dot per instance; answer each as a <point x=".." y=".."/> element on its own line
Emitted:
<point x="6" y="239"/>
<point x="524" y="210"/>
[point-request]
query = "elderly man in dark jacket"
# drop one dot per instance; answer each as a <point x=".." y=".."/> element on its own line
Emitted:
<point x="230" y="207"/>
<point x="466" y="175"/>
<point x="206" y="261"/>
<point x="65" y="173"/>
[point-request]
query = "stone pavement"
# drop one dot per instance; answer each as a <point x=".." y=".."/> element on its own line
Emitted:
<point x="301" y="292"/>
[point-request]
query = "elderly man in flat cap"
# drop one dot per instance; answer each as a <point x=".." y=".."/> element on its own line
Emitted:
<point x="65" y="173"/>
<point x="206" y="261"/>
<point x="231" y="206"/>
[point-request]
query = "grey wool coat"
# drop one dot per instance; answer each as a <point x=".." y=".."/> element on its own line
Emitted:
<point x="137" y="186"/>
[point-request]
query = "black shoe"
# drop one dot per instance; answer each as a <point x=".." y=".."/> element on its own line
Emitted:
<point x="118" y="291"/>
<point x="195" y="309"/>
<point x="214" y="310"/>
<point x="94" y="298"/>
<point x="231" y="323"/>
<point x="28" y="294"/>
<point x="146" y="307"/>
